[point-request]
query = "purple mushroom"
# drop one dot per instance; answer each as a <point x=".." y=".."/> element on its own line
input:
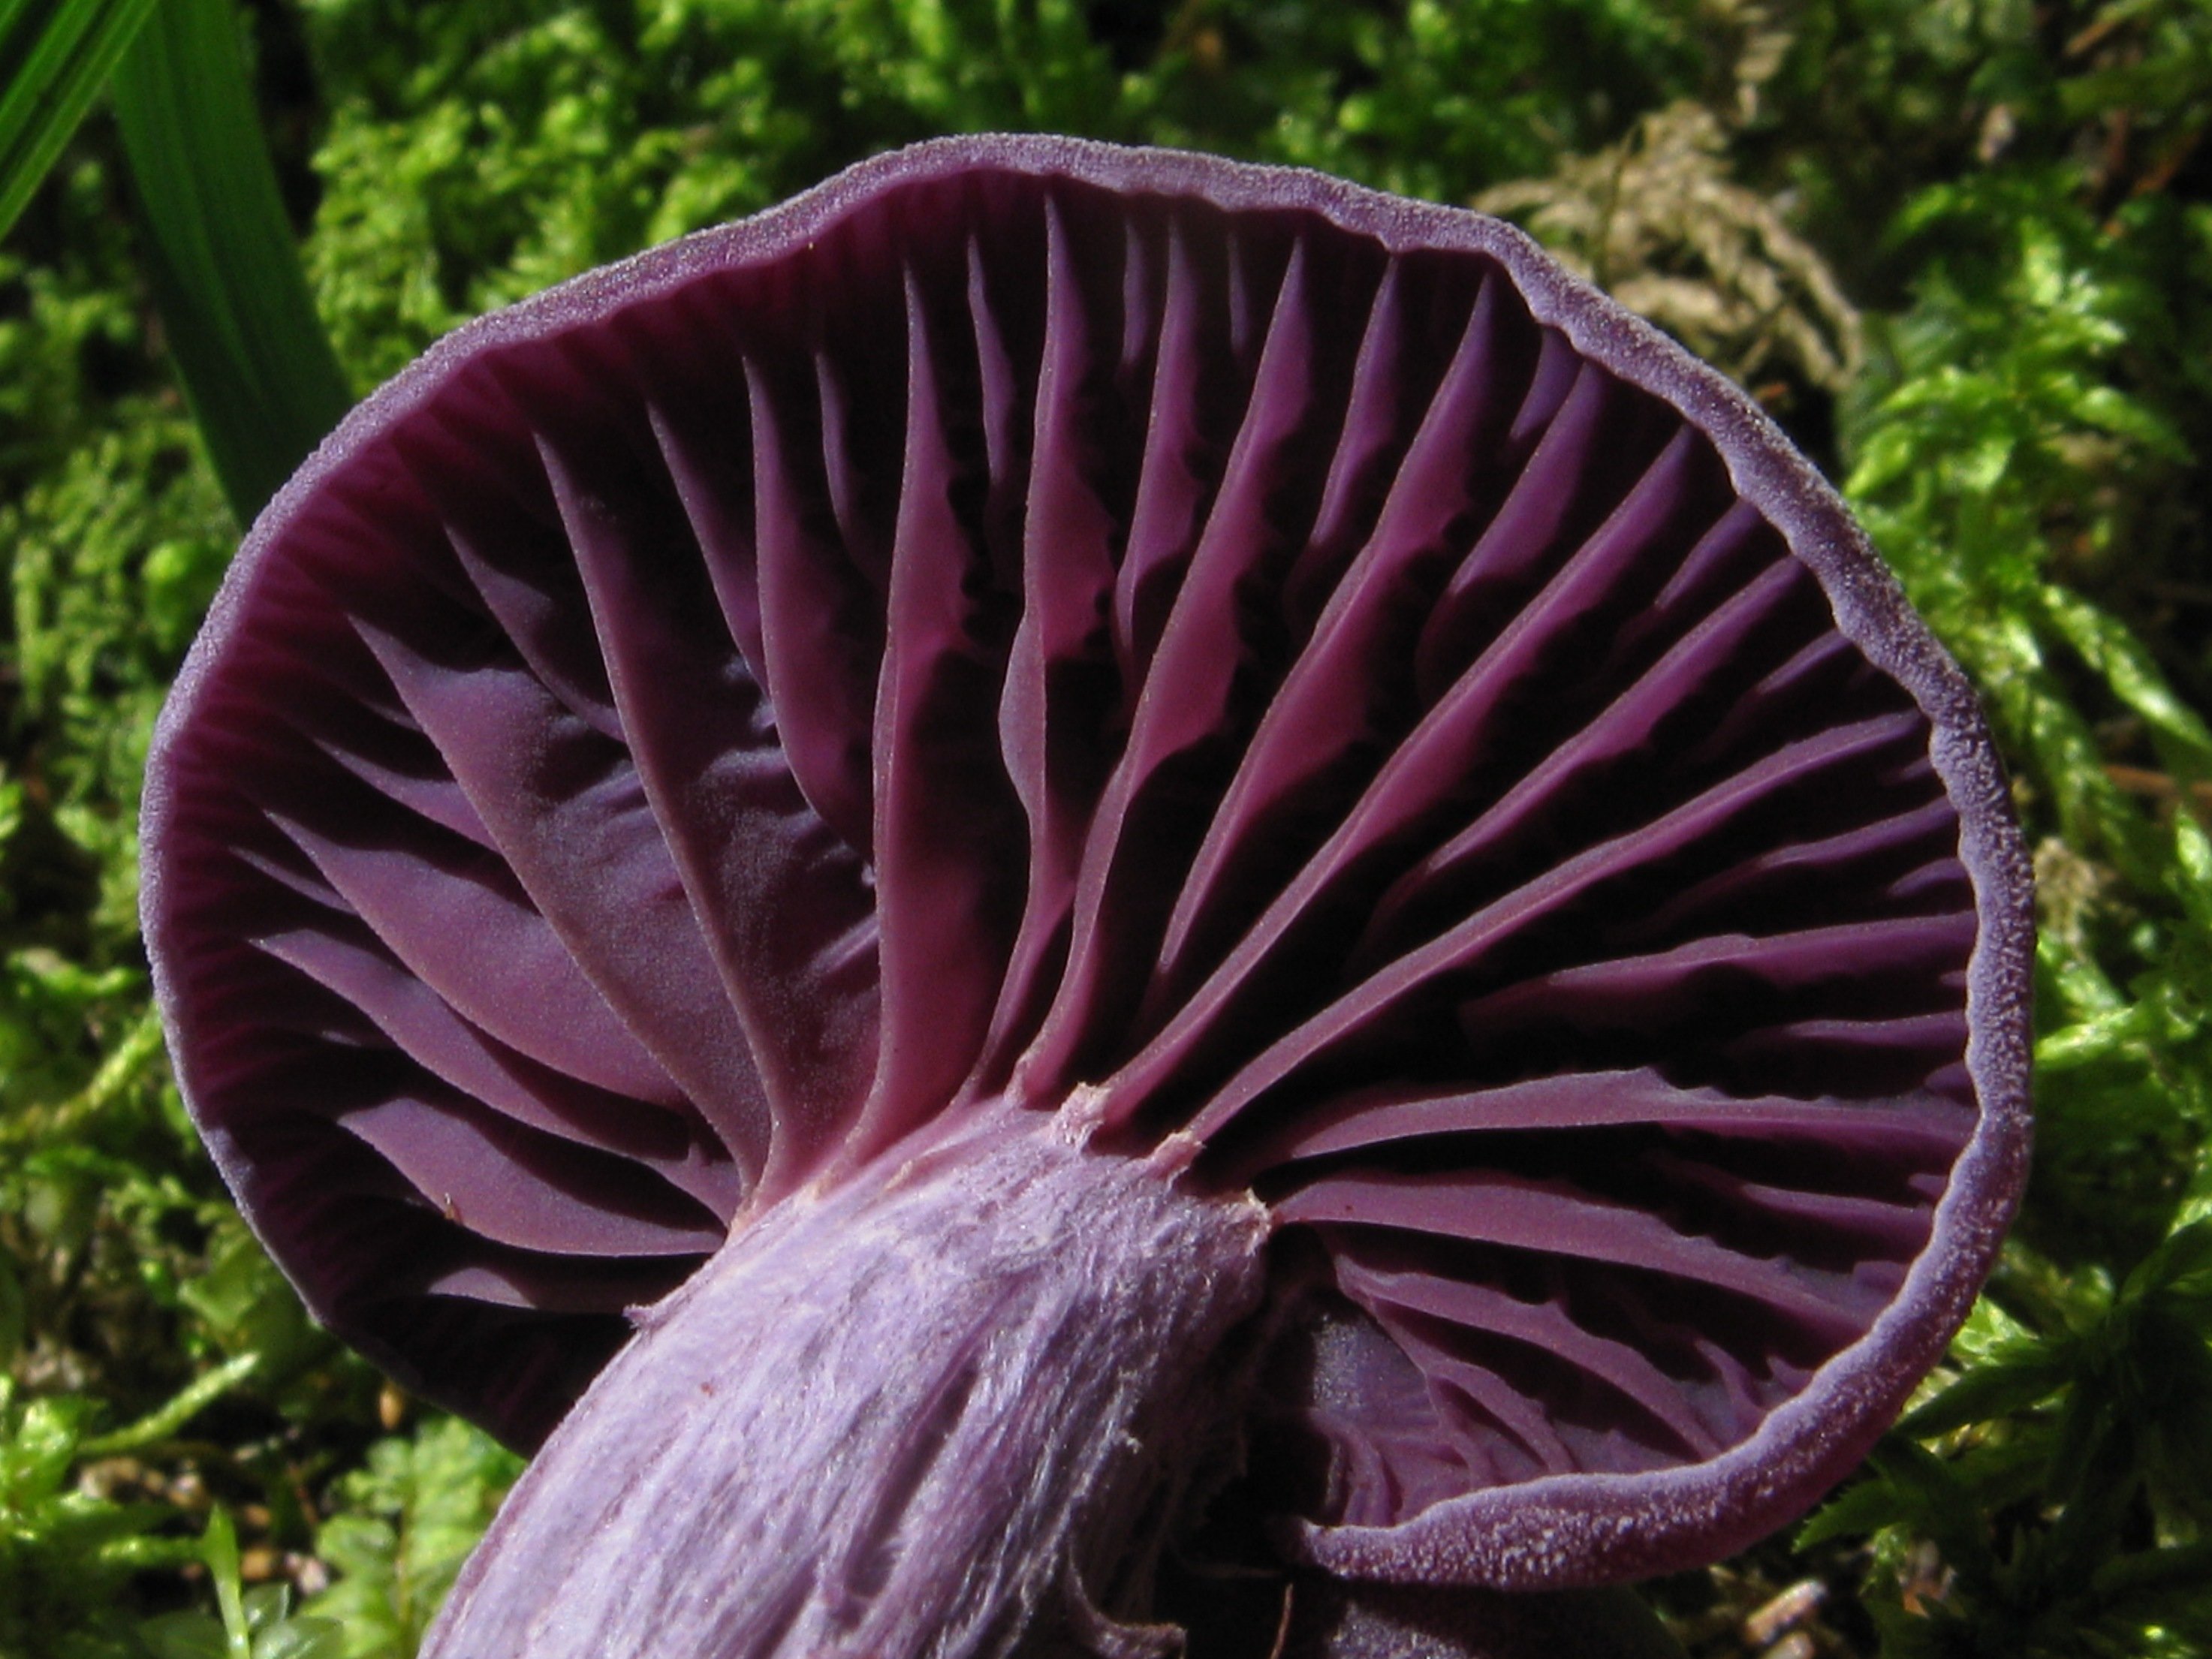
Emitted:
<point x="1077" y="893"/>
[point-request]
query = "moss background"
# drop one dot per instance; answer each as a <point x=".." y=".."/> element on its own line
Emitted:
<point x="1961" y="248"/>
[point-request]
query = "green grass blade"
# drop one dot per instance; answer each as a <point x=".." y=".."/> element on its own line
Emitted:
<point x="263" y="382"/>
<point x="58" y="52"/>
<point x="201" y="1393"/>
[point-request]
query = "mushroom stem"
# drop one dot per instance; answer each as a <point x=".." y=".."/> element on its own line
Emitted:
<point x="946" y="1408"/>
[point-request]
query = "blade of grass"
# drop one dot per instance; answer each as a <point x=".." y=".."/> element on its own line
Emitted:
<point x="263" y="382"/>
<point x="166" y="1421"/>
<point x="61" y="51"/>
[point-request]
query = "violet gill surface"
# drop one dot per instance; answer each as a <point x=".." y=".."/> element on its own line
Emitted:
<point x="1178" y="876"/>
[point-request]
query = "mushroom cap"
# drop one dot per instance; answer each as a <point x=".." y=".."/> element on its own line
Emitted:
<point x="1283" y="673"/>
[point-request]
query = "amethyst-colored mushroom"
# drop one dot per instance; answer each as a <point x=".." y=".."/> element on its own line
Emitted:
<point x="1076" y="885"/>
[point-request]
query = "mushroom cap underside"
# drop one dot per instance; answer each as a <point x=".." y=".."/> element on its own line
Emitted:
<point x="1266" y="664"/>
